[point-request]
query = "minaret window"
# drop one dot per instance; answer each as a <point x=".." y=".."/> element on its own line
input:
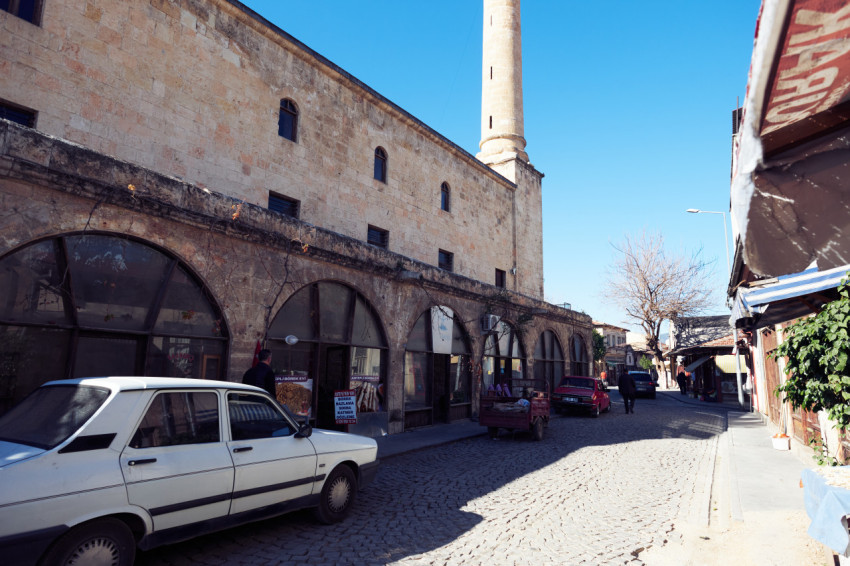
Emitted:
<point x="380" y="164"/>
<point x="445" y="197"/>
<point x="287" y="122"/>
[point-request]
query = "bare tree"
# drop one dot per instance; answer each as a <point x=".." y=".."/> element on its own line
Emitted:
<point x="652" y="284"/>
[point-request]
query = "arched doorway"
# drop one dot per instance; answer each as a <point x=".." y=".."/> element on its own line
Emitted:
<point x="437" y="370"/>
<point x="579" y="359"/>
<point x="503" y="358"/>
<point x="327" y="338"/>
<point x="97" y="304"/>
<point x="548" y="360"/>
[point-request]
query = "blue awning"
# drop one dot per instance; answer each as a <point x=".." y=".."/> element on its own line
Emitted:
<point x="784" y="298"/>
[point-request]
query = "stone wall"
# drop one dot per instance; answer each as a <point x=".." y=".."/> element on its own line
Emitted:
<point x="191" y="89"/>
<point x="250" y="259"/>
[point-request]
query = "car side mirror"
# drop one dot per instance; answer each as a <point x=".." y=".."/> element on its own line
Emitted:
<point x="304" y="431"/>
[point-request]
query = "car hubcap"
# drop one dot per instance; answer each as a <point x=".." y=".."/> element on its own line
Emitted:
<point x="338" y="496"/>
<point x="95" y="552"/>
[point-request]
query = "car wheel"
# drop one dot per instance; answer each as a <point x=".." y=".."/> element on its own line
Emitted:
<point x="537" y="430"/>
<point x="104" y="542"/>
<point x="492" y="431"/>
<point x="338" y="495"/>
<point x="607" y="408"/>
<point x="595" y="412"/>
<point x="652" y="396"/>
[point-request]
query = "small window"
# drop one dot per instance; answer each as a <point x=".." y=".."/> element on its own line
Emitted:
<point x="176" y="418"/>
<point x="501" y="280"/>
<point x="446" y="260"/>
<point x="29" y="10"/>
<point x="378" y="237"/>
<point x="380" y="165"/>
<point x="445" y="197"/>
<point x="284" y="205"/>
<point x="15" y="113"/>
<point x="287" y="123"/>
<point x="254" y="416"/>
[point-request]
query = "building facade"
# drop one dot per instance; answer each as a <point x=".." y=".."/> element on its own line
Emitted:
<point x="183" y="181"/>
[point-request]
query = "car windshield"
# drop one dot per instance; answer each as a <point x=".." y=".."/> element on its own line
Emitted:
<point x="577" y="382"/>
<point x="49" y="415"/>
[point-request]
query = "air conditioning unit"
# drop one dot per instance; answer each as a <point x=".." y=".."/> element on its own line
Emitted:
<point x="488" y="323"/>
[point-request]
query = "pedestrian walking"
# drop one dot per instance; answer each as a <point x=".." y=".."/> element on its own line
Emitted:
<point x="628" y="391"/>
<point x="682" y="380"/>
<point x="261" y="375"/>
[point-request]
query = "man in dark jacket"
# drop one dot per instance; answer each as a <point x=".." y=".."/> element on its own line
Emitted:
<point x="628" y="391"/>
<point x="261" y="375"/>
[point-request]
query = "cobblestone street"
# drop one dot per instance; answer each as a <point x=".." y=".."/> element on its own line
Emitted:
<point x="594" y="491"/>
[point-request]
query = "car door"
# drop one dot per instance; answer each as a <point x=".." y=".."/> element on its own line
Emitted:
<point x="272" y="465"/>
<point x="176" y="465"/>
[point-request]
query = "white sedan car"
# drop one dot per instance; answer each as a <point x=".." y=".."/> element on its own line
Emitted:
<point x="92" y="468"/>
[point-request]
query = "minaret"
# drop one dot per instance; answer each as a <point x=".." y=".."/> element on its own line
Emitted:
<point x="501" y="91"/>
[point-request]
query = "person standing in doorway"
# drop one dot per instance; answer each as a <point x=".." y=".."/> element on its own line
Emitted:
<point x="628" y="391"/>
<point x="261" y="375"/>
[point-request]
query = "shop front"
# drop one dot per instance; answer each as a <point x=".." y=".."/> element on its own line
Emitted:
<point x="97" y="304"/>
<point x="437" y="370"/>
<point x="327" y="339"/>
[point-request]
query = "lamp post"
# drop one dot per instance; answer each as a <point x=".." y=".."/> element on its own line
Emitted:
<point x="725" y="234"/>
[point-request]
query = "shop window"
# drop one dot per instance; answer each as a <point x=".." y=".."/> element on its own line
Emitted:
<point x="102" y="305"/>
<point x="29" y="10"/>
<point x="287" y="122"/>
<point x="284" y="205"/>
<point x="325" y="338"/>
<point x="15" y="113"/>
<point x="445" y="197"/>
<point x="578" y="351"/>
<point x="378" y="237"/>
<point x="445" y="260"/>
<point x="503" y="360"/>
<point x="437" y="373"/>
<point x="380" y="164"/>
<point x="548" y="360"/>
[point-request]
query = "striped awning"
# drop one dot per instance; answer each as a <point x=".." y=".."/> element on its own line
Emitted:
<point x="755" y="302"/>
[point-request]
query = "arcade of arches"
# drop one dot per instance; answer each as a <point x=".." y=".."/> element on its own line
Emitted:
<point x="89" y="304"/>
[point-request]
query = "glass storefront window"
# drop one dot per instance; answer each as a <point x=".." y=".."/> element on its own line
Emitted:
<point x="101" y="304"/>
<point x="186" y="357"/>
<point x="460" y="388"/>
<point x="294" y="376"/>
<point x="31" y="280"/>
<point x="417" y="389"/>
<point x="115" y="281"/>
<point x="366" y="379"/>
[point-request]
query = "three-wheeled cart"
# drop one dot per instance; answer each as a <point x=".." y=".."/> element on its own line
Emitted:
<point x="527" y="409"/>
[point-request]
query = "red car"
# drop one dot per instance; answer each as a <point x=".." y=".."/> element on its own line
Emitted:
<point x="587" y="394"/>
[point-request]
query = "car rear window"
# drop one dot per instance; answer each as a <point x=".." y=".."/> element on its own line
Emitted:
<point x="49" y="415"/>
<point x="577" y="382"/>
<point x="641" y="377"/>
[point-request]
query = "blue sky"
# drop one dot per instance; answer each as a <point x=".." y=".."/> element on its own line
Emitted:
<point x="628" y="111"/>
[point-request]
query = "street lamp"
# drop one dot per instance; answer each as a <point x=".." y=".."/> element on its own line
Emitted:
<point x="725" y="233"/>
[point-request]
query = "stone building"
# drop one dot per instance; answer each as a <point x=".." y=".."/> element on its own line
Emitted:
<point x="181" y="181"/>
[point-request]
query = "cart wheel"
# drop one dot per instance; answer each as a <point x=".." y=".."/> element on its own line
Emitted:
<point x="537" y="431"/>
<point x="493" y="431"/>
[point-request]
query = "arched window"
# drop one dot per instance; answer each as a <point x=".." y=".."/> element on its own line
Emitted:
<point x="437" y="384"/>
<point x="94" y="304"/>
<point x="287" y="122"/>
<point x="380" y="164"/>
<point x="548" y="360"/>
<point x="445" y="197"/>
<point x="326" y="338"/>
<point x="579" y="358"/>
<point x="503" y="356"/>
